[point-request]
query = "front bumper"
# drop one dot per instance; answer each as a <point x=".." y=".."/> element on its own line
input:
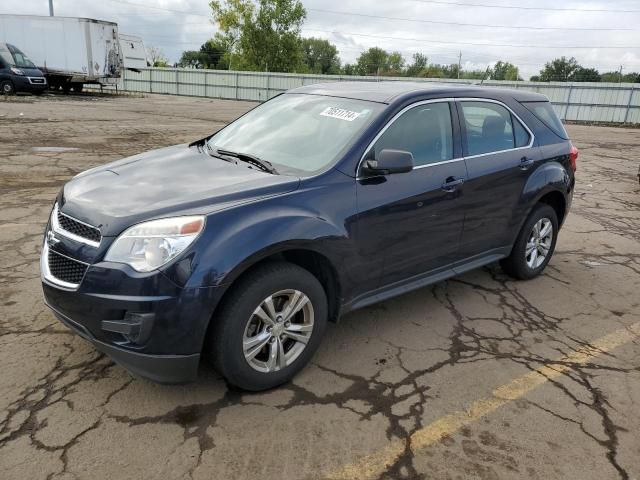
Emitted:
<point x="25" y="83"/>
<point x="169" y="369"/>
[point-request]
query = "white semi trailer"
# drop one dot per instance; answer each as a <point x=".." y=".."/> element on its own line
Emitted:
<point x="69" y="51"/>
<point x="134" y="55"/>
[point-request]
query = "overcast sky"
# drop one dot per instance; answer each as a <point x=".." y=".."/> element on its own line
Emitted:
<point x="356" y="26"/>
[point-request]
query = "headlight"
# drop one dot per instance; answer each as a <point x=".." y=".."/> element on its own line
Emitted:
<point x="150" y="245"/>
<point x="17" y="71"/>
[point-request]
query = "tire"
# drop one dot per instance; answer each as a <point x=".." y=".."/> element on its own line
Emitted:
<point x="237" y="324"/>
<point x="77" y="87"/>
<point x="7" y="88"/>
<point x="520" y="264"/>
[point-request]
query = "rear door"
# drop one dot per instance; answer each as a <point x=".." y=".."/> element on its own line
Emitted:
<point x="500" y="155"/>
<point x="410" y="223"/>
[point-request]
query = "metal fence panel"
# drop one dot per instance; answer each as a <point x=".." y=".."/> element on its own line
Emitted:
<point x="588" y="102"/>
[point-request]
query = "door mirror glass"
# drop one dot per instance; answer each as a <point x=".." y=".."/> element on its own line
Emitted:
<point x="388" y="162"/>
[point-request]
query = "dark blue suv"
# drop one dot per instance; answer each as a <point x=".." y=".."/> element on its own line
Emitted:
<point x="243" y="245"/>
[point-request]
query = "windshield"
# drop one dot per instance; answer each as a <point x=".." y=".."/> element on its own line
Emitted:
<point x="14" y="57"/>
<point x="302" y="132"/>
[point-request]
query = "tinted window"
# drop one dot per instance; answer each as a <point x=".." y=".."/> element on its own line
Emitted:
<point x="425" y="131"/>
<point x="520" y="134"/>
<point x="544" y="112"/>
<point x="488" y="127"/>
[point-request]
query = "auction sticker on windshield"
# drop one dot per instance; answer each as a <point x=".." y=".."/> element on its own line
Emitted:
<point x="340" y="113"/>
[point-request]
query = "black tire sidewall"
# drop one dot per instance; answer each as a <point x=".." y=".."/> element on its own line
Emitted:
<point x="228" y="356"/>
<point x="517" y="258"/>
<point x="2" y="86"/>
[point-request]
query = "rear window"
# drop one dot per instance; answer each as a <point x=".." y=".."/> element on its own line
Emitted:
<point x="544" y="112"/>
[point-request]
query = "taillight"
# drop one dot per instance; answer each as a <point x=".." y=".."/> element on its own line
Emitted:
<point x="573" y="158"/>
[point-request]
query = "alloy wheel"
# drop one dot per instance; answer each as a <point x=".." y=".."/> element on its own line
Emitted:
<point x="278" y="331"/>
<point x="539" y="243"/>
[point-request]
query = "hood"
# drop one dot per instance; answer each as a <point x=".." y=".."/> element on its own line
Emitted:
<point x="177" y="180"/>
<point x="31" y="72"/>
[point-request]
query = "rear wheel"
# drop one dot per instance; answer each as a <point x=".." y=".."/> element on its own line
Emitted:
<point x="535" y="244"/>
<point x="269" y="327"/>
<point x="7" y="88"/>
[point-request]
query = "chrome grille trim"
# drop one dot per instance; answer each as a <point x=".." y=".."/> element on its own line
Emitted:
<point x="45" y="271"/>
<point x="57" y="228"/>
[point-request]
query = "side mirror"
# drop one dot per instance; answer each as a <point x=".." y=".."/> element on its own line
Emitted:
<point x="389" y="162"/>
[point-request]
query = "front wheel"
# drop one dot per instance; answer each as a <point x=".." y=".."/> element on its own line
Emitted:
<point x="7" y="88"/>
<point x="269" y="327"/>
<point x="535" y="244"/>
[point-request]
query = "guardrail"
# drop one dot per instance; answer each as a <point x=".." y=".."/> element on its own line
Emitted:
<point x="583" y="102"/>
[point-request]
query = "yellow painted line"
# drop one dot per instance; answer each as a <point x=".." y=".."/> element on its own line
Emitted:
<point x="375" y="464"/>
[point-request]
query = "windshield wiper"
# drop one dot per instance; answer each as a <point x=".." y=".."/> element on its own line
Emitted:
<point x="263" y="165"/>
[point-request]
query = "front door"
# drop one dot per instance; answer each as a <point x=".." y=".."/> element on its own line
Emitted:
<point x="410" y="223"/>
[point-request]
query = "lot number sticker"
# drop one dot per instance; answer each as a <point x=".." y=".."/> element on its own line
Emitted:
<point x="340" y="113"/>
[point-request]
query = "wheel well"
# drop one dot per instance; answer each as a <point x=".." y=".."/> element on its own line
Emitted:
<point x="314" y="262"/>
<point x="557" y="202"/>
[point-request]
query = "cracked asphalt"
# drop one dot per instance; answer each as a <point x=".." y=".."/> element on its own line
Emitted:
<point x="380" y="397"/>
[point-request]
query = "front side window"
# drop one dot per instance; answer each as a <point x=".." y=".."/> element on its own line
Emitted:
<point x="490" y="127"/>
<point x="425" y="131"/>
<point x="14" y="57"/>
<point x="303" y="133"/>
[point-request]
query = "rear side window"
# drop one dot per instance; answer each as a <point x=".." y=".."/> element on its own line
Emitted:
<point x="520" y="135"/>
<point x="425" y="131"/>
<point x="544" y="112"/>
<point x="488" y="127"/>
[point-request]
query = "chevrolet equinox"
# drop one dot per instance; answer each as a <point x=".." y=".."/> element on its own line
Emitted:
<point x="242" y="246"/>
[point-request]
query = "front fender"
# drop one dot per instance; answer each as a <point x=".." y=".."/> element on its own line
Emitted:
<point x="244" y="236"/>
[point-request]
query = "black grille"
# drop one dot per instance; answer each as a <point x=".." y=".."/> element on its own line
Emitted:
<point x="78" y="228"/>
<point x="66" y="269"/>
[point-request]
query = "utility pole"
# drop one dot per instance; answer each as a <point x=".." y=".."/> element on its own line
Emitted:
<point x="51" y="8"/>
<point x="620" y="75"/>
<point x="459" y="64"/>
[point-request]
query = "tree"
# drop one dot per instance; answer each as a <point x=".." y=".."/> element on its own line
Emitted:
<point x="190" y="59"/>
<point x="419" y="64"/>
<point x="155" y="57"/>
<point x="433" y="71"/>
<point x="374" y="61"/>
<point x="615" y="77"/>
<point x="504" y="71"/>
<point x="396" y="63"/>
<point x="263" y="37"/>
<point x="559" y="70"/>
<point x="320" y="56"/>
<point x="582" y="74"/>
<point x="473" y="74"/>
<point x="451" y="70"/>
<point x="213" y="54"/>
<point x="350" y="69"/>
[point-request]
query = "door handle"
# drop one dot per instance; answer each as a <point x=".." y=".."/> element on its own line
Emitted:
<point x="525" y="163"/>
<point x="451" y="184"/>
